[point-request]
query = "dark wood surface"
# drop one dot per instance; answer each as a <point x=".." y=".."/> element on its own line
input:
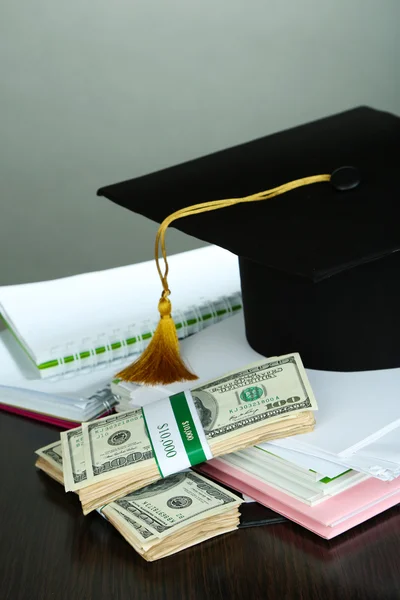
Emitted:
<point x="49" y="550"/>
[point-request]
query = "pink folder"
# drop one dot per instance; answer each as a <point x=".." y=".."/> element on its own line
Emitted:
<point x="368" y="498"/>
<point x="57" y="421"/>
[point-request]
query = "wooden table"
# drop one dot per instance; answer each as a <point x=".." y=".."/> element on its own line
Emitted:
<point x="49" y="550"/>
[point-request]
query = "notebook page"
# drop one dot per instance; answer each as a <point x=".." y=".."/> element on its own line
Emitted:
<point x="61" y="317"/>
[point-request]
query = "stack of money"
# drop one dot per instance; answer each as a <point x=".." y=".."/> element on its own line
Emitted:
<point x="166" y="517"/>
<point x="111" y="457"/>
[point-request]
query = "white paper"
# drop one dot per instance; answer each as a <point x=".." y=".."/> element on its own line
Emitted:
<point x="269" y="461"/>
<point x="309" y="493"/>
<point x="374" y="466"/>
<point x="324" y="467"/>
<point x="354" y="410"/>
<point x="247" y="499"/>
<point x="386" y="448"/>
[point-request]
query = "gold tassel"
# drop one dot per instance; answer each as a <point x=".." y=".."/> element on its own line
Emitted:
<point x="161" y="363"/>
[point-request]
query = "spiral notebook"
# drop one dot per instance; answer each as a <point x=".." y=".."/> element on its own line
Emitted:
<point x="62" y="401"/>
<point x="82" y="322"/>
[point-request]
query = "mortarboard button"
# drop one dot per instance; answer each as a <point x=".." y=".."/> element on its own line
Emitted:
<point x="345" y="178"/>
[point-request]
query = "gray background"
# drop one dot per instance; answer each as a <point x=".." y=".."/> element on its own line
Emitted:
<point x="96" y="92"/>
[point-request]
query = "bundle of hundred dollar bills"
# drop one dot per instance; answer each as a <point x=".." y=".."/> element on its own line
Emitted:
<point x="106" y="459"/>
<point x="165" y="517"/>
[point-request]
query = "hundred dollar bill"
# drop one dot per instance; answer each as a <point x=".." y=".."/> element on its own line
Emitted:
<point x="74" y="461"/>
<point x="177" y="501"/>
<point x="114" y="444"/>
<point x="263" y="392"/>
<point x="228" y="407"/>
<point x="52" y="454"/>
<point x="141" y="532"/>
<point x="165" y="506"/>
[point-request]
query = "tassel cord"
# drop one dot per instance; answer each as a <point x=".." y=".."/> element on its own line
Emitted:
<point x="203" y="207"/>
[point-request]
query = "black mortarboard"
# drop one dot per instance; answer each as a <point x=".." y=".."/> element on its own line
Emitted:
<point x="320" y="267"/>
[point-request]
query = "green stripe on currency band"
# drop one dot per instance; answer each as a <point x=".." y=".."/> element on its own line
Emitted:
<point x="187" y="429"/>
<point x="151" y="444"/>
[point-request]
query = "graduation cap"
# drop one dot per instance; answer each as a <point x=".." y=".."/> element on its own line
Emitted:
<point x="318" y="250"/>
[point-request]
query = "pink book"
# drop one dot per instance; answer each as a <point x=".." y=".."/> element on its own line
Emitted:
<point x="328" y="519"/>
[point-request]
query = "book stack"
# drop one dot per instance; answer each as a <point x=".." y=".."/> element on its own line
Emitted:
<point x="63" y="340"/>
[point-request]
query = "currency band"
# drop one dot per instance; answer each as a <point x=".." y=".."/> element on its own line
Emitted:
<point x="176" y="434"/>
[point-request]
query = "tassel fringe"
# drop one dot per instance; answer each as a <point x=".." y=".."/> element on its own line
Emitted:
<point x="160" y="363"/>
